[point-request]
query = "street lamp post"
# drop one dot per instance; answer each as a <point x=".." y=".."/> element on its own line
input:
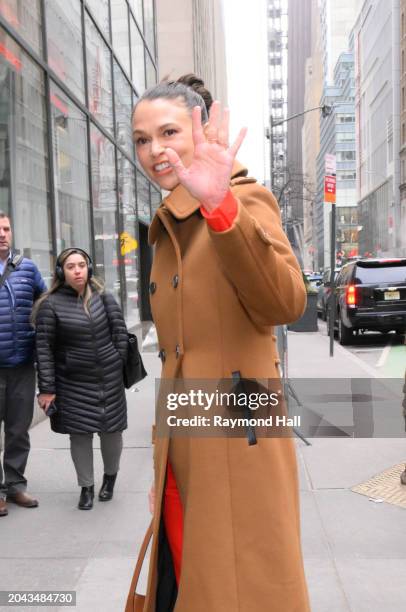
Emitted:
<point x="326" y="110"/>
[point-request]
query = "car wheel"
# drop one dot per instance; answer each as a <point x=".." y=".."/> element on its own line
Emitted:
<point x="345" y="334"/>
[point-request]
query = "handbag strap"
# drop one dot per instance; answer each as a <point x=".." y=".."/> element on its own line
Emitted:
<point x="138" y="566"/>
<point x="9" y="268"/>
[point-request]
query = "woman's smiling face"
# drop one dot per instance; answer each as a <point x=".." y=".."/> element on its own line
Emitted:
<point x="158" y="124"/>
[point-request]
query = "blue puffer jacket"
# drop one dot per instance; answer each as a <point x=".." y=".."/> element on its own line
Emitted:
<point x="23" y="286"/>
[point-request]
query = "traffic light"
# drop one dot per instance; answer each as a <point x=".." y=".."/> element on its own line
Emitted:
<point x="326" y="110"/>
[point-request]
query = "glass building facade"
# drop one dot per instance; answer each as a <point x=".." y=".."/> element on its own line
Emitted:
<point x="70" y="74"/>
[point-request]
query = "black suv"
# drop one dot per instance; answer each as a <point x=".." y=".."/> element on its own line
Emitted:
<point x="371" y="295"/>
<point x="324" y="291"/>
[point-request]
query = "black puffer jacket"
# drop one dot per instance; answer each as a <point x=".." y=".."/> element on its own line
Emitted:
<point x="80" y="359"/>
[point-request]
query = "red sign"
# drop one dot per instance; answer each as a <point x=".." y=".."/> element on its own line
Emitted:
<point x="330" y="189"/>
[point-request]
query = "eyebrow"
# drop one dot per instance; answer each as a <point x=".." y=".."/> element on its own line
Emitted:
<point x="161" y="127"/>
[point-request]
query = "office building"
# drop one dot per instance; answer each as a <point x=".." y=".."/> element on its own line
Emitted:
<point x="70" y="73"/>
<point x="337" y="137"/>
<point x="378" y="100"/>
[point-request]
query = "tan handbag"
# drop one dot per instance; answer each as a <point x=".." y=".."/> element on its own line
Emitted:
<point x="135" y="602"/>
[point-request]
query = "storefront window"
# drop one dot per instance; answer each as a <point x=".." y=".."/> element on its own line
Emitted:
<point x="119" y="24"/>
<point x="25" y="18"/>
<point x="65" y="51"/>
<point x="151" y="72"/>
<point x="156" y="199"/>
<point x="149" y="25"/>
<point x="129" y="244"/>
<point x="100" y="12"/>
<point x="137" y="56"/>
<point x="24" y="187"/>
<point x="123" y="102"/>
<point x="69" y="138"/>
<point x="143" y="202"/>
<point x="99" y="76"/>
<point x="105" y="211"/>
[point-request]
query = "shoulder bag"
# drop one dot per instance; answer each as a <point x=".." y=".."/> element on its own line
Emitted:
<point x="133" y="368"/>
<point x="135" y="602"/>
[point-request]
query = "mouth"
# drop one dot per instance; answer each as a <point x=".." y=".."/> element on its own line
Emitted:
<point x="162" y="168"/>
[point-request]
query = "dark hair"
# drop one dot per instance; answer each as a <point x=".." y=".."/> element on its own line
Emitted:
<point x="189" y="87"/>
<point x="93" y="283"/>
<point x="3" y="215"/>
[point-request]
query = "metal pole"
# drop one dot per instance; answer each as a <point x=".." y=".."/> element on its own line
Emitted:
<point x="332" y="275"/>
<point x="271" y="126"/>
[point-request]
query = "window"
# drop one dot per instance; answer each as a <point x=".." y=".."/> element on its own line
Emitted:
<point x="129" y="243"/>
<point x="403" y="133"/>
<point x="123" y="102"/>
<point x="136" y="6"/>
<point x="120" y="32"/>
<point x="99" y="76"/>
<point x="25" y="18"/>
<point x="149" y="25"/>
<point x="143" y="203"/>
<point x="137" y="56"/>
<point x="151" y="72"/>
<point x="24" y="189"/>
<point x="65" y="51"/>
<point x="345" y="137"/>
<point x="69" y="139"/>
<point x="345" y="155"/>
<point x="100" y="12"/>
<point x="105" y="210"/>
<point x="346" y="175"/>
<point x="156" y="199"/>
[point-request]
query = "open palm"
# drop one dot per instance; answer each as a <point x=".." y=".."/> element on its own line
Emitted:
<point x="207" y="178"/>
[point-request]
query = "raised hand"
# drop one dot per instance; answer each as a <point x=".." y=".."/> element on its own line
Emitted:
<point x="207" y="178"/>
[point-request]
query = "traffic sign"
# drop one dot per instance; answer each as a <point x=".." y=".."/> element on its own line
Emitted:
<point x="330" y="164"/>
<point x="128" y="243"/>
<point x="330" y="189"/>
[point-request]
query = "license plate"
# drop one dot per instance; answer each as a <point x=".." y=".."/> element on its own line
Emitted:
<point x="392" y="295"/>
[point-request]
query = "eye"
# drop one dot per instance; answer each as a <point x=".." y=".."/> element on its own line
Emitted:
<point x="140" y="141"/>
<point x="170" y="132"/>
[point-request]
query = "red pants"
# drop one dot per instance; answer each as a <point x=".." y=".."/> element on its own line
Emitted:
<point x="173" y="520"/>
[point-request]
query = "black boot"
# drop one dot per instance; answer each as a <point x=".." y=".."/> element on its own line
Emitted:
<point x="86" y="498"/>
<point x="106" y="491"/>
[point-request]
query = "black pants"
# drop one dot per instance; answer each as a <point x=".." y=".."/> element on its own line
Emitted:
<point x="17" y="390"/>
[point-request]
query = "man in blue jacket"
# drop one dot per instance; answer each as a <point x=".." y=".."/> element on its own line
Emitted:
<point x="20" y="285"/>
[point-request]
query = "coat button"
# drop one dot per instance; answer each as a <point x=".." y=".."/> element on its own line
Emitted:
<point x="177" y="351"/>
<point x="162" y="355"/>
<point x="152" y="288"/>
<point x="175" y="281"/>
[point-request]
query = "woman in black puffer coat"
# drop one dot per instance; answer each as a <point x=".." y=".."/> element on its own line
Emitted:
<point x="81" y="345"/>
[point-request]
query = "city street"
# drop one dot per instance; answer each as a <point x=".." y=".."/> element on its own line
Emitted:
<point x="384" y="352"/>
<point x="354" y="549"/>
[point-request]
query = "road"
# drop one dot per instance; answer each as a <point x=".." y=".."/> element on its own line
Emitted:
<point x="384" y="352"/>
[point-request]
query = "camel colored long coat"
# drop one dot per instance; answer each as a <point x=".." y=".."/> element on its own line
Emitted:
<point x="215" y="298"/>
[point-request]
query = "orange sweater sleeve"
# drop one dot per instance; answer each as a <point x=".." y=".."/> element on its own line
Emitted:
<point x="222" y="217"/>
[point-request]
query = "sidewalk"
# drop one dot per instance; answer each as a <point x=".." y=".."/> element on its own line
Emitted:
<point x="354" y="549"/>
<point x="58" y="547"/>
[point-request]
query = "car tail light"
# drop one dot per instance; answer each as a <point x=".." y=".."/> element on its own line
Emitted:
<point x="351" y="297"/>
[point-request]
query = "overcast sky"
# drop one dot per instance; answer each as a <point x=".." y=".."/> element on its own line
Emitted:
<point x="246" y="48"/>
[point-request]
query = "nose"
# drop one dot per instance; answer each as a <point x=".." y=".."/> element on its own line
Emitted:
<point x="156" y="148"/>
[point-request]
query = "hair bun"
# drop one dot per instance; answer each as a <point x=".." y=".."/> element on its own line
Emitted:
<point x="197" y="84"/>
